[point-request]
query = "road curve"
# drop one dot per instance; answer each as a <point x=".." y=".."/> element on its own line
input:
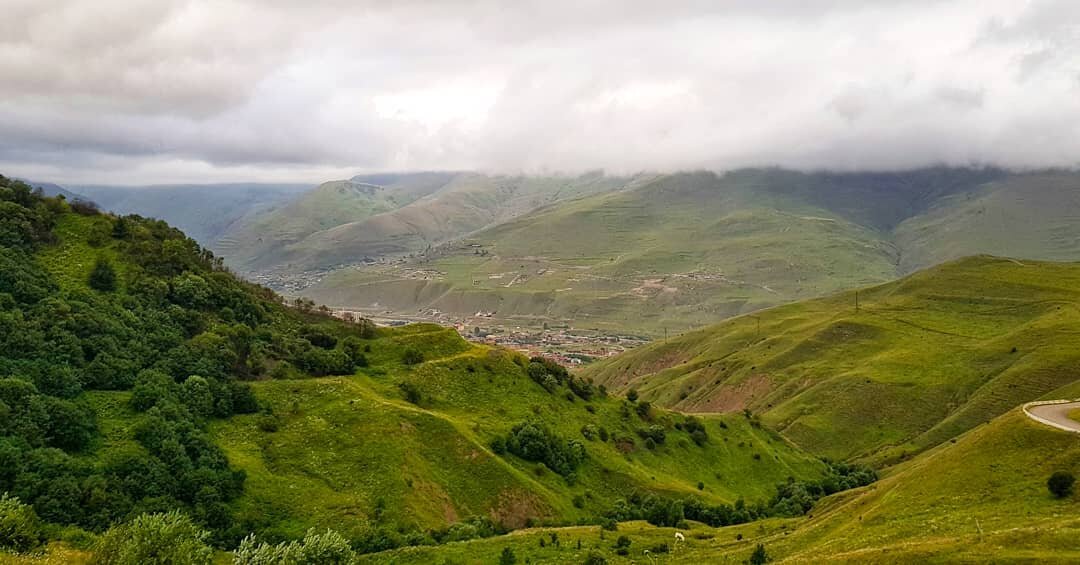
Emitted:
<point x="1054" y="413"/>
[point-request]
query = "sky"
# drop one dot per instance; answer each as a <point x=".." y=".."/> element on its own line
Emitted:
<point x="171" y="91"/>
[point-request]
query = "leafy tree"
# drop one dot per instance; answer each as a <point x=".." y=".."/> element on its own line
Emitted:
<point x="533" y="441"/>
<point x="103" y="276"/>
<point x="166" y="539"/>
<point x="1060" y="484"/>
<point x="20" y="529"/>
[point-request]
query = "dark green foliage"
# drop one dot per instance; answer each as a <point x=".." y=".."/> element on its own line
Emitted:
<point x="411" y="392"/>
<point x="660" y="548"/>
<point x="595" y="558"/>
<point x="654" y="433"/>
<point x="20" y="529"/>
<point x="696" y="429"/>
<point x="103" y="276"/>
<point x="182" y="338"/>
<point x="534" y="441"/>
<point x="759" y="556"/>
<point x="507" y="557"/>
<point x="412" y="357"/>
<point x="1060" y="484"/>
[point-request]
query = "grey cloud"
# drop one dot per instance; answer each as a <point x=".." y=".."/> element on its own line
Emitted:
<point x="176" y="90"/>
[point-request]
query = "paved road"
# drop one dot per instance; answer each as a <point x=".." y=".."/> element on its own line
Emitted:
<point x="1057" y="414"/>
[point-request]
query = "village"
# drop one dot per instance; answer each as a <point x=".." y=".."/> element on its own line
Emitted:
<point x="566" y="345"/>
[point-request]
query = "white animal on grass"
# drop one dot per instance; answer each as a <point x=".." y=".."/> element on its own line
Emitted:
<point x="679" y="537"/>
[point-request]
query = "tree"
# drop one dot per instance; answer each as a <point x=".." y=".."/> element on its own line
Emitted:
<point x="163" y="539"/>
<point x="507" y="557"/>
<point x="103" y="276"/>
<point x="20" y="529"/>
<point x="759" y="557"/>
<point x="1060" y="484"/>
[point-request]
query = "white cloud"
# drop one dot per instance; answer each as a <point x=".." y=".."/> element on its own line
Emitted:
<point x="181" y="90"/>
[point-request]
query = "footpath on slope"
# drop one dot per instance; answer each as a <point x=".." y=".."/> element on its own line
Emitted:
<point x="1054" y="413"/>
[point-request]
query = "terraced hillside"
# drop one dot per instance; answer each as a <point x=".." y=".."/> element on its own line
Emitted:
<point x="921" y="360"/>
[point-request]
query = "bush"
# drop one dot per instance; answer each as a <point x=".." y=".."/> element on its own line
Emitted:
<point x="507" y="557"/>
<point x="412" y="357"/>
<point x="103" y="276"/>
<point x="759" y="557"/>
<point x="1060" y="484"/>
<point x="533" y="441"/>
<point x="166" y="539"/>
<point x="329" y="548"/>
<point x="20" y="529"/>
<point x="632" y="395"/>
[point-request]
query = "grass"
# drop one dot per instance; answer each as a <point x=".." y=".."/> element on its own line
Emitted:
<point x="682" y="251"/>
<point x="922" y="360"/>
<point x="347" y="446"/>
<point x="981" y="498"/>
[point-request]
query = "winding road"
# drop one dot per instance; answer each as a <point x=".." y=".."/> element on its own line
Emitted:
<point x="1054" y="413"/>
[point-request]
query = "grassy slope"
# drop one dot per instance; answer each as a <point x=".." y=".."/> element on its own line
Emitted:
<point x="261" y="240"/>
<point x="980" y="499"/>
<point x="675" y="253"/>
<point x="690" y="249"/>
<point x="346" y="442"/>
<point x="924" y="359"/>
<point x="467" y="203"/>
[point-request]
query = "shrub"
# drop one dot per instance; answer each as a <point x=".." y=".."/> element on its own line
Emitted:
<point x="411" y="391"/>
<point x="1060" y="484"/>
<point x="632" y="395"/>
<point x="595" y="558"/>
<point x="20" y="529"/>
<point x="103" y="276"/>
<point x="533" y="441"/>
<point x="166" y="539"/>
<point x="507" y="557"/>
<point x="412" y="357"/>
<point x="759" y="556"/>
<point x="328" y="548"/>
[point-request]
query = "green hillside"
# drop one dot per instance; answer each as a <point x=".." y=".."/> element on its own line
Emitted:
<point x="138" y="376"/>
<point x="979" y="499"/>
<point x="262" y="240"/>
<point x="685" y="250"/>
<point x="923" y="359"/>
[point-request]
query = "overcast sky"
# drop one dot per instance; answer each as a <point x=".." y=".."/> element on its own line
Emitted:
<point x="133" y="91"/>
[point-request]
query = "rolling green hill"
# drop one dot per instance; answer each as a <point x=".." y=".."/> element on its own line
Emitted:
<point x="684" y="250"/>
<point x="922" y="360"/>
<point x="981" y="498"/>
<point x="262" y="240"/>
<point x="139" y="376"/>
